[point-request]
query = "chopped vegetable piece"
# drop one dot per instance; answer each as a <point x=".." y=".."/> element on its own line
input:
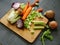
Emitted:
<point x="41" y="23"/>
<point x="47" y="26"/>
<point x="20" y="23"/>
<point x="22" y="5"/>
<point x="39" y="14"/>
<point x="27" y="13"/>
<point x="26" y="7"/>
<point x="38" y="27"/>
<point x="13" y="17"/>
<point x="32" y="31"/>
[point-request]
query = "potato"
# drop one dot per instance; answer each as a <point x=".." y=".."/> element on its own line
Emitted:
<point x="49" y="14"/>
<point x="53" y="24"/>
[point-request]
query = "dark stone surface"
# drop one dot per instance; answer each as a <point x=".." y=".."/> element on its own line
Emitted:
<point x="8" y="37"/>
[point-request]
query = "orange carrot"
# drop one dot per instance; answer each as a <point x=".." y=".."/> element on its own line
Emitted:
<point x="27" y="12"/>
<point x="24" y="10"/>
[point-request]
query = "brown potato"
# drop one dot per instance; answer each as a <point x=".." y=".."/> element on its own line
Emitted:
<point x="49" y="14"/>
<point x="53" y="24"/>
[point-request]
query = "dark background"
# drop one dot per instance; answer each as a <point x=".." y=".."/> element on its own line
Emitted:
<point x="8" y="37"/>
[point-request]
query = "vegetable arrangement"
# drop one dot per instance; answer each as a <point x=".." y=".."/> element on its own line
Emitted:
<point x="25" y="16"/>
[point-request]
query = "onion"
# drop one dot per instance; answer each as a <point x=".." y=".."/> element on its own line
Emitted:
<point x="15" y="5"/>
<point x="20" y="23"/>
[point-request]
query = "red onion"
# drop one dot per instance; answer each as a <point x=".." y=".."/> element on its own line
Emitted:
<point x="15" y="5"/>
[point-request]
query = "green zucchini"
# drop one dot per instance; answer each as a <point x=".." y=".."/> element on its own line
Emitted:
<point x="38" y="27"/>
<point x="39" y="23"/>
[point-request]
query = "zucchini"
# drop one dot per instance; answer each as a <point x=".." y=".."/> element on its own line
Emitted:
<point x="39" y="23"/>
<point x="38" y="27"/>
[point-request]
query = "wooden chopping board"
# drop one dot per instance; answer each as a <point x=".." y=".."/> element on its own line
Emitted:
<point x="26" y="34"/>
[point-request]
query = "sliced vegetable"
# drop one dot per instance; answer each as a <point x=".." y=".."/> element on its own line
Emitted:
<point x="20" y="23"/>
<point x="16" y="5"/>
<point x="39" y="23"/>
<point x="32" y="31"/>
<point x="38" y="27"/>
<point x="13" y="17"/>
<point x="27" y="13"/>
<point x="26" y="7"/>
<point x="39" y="14"/>
<point x="47" y="26"/>
<point x="22" y="5"/>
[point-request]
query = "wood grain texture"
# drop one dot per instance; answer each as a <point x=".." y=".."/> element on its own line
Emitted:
<point x="26" y="34"/>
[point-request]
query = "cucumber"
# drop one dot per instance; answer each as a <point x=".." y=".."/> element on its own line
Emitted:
<point x="38" y="27"/>
<point x="39" y="23"/>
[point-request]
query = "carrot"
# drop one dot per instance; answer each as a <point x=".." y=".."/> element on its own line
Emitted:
<point x="27" y="12"/>
<point x="24" y="10"/>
